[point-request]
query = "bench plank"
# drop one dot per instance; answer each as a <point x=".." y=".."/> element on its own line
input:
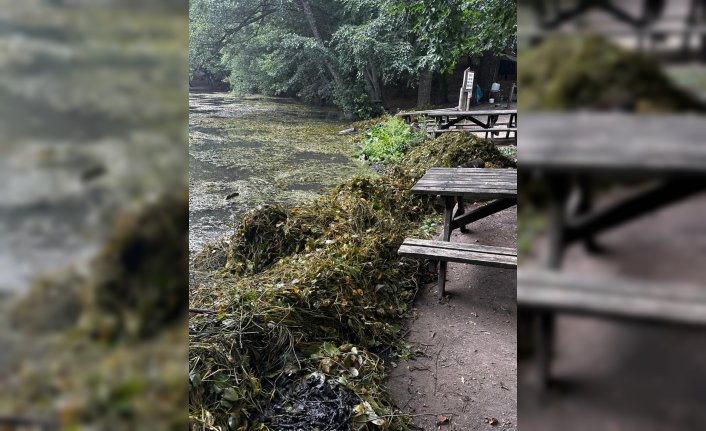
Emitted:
<point x="468" y="182"/>
<point x="618" y="298"/>
<point x="507" y="251"/>
<point x="451" y="252"/>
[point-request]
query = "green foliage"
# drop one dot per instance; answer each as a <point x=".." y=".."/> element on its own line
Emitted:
<point x="354" y="100"/>
<point x="446" y="30"/>
<point x="362" y="45"/>
<point x="592" y="73"/>
<point x="388" y="141"/>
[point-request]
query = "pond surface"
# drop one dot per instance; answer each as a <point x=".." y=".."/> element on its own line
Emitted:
<point x="259" y="150"/>
<point x="92" y="116"/>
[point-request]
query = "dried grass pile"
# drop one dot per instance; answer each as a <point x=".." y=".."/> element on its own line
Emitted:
<point x="307" y="300"/>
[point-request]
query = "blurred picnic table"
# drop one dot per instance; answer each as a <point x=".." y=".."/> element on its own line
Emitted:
<point x="574" y="150"/>
<point x="665" y="155"/>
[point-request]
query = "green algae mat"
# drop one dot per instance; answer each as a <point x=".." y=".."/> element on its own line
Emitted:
<point x="249" y="151"/>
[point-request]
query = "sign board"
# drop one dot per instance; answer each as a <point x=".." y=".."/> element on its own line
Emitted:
<point x="469" y="80"/>
<point x="465" y="98"/>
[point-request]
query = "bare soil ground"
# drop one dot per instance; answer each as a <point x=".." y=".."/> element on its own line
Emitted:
<point x="622" y="375"/>
<point x="466" y="363"/>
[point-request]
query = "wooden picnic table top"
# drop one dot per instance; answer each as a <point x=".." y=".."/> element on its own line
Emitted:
<point x="615" y="143"/>
<point x="479" y="183"/>
<point x="457" y="113"/>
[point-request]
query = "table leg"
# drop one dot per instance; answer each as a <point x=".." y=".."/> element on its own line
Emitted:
<point x="492" y="207"/>
<point x="585" y="205"/>
<point x="545" y="321"/>
<point x="544" y="336"/>
<point x="446" y="236"/>
<point x="460" y="210"/>
<point x="559" y="189"/>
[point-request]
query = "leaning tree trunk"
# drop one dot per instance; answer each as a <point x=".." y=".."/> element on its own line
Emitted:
<point x="424" y="89"/>
<point x="373" y="84"/>
<point x="306" y="7"/>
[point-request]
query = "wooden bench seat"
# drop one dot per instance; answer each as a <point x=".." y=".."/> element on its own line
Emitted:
<point x="499" y="257"/>
<point x="476" y="129"/>
<point x="501" y="132"/>
<point x="547" y="293"/>
<point x="444" y="251"/>
<point x="618" y="298"/>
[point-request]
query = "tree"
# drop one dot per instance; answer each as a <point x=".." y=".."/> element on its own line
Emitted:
<point x="447" y="30"/>
<point x="340" y="51"/>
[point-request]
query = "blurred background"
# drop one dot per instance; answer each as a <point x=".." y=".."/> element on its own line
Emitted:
<point x="611" y="231"/>
<point x="93" y="214"/>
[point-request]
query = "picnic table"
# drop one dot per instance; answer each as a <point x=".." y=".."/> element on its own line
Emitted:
<point x="583" y="148"/>
<point x="483" y="120"/>
<point x="454" y="185"/>
<point x="578" y="150"/>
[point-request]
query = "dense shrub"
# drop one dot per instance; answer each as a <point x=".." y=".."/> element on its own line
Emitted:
<point x="388" y="141"/>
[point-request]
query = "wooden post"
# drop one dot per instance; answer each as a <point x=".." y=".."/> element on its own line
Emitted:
<point x="509" y="98"/>
<point x="465" y="98"/>
<point x="446" y="236"/>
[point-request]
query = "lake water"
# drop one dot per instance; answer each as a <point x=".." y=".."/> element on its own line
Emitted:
<point x="259" y="150"/>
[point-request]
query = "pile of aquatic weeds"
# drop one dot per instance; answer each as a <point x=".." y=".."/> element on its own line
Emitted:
<point x="105" y="342"/>
<point x="589" y="72"/>
<point x="309" y="298"/>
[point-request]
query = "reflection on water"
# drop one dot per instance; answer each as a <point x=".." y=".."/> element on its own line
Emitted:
<point x="258" y="150"/>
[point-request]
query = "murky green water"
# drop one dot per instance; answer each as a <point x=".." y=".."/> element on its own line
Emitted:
<point x="92" y="115"/>
<point x="264" y="150"/>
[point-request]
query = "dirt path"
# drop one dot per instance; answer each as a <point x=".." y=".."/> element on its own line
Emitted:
<point x="466" y="365"/>
<point x="625" y="376"/>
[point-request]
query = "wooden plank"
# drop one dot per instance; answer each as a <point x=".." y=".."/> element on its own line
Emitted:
<point x="470" y="128"/>
<point x="510" y="175"/>
<point x="459" y="256"/>
<point x="491" y="185"/>
<point x="468" y="182"/>
<point x="419" y="188"/>
<point x="441" y="176"/>
<point x="468" y="193"/>
<point x="642" y="145"/>
<point x="618" y="298"/>
<point x="472" y="172"/>
<point x="456" y="113"/>
<point x="506" y="251"/>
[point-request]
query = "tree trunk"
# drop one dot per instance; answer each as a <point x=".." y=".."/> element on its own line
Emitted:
<point x="306" y="7"/>
<point x="424" y="89"/>
<point x="486" y="72"/>
<point x="444" y="87"/>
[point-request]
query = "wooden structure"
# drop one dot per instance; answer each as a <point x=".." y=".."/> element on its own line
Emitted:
<point x="499" y="257"/>
<point x="454" y="185"/>
<point x="573" y="151"/>
<point x="465" y="98"/>
<point x="495" y="121"/>
<point x="676" y="303"/>
<point x="678" y="22"/>
<point x="513" y="90"/>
